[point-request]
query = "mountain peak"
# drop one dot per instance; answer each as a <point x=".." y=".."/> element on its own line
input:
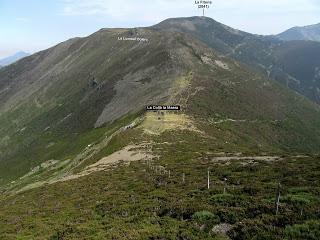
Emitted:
<point x="193" y="19"/>
<point x="13" y="58"/>
<point x="21" y="53"/>
<point x="198" y="24"/>
<point x="307" y="33"/>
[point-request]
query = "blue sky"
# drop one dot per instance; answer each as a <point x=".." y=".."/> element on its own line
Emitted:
<point x="33" y="25"/>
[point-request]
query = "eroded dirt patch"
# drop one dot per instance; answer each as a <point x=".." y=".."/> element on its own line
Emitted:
<point x="159" y="122"/>
<point x="128" y="154"/>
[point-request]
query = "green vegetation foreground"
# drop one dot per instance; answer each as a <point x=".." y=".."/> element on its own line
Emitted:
<point x="137" y="202"/>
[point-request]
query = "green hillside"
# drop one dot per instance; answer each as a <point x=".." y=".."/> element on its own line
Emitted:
<point x="271" y="56"/>
<point x="80" y="158"/>
<point x="149" y="199"/>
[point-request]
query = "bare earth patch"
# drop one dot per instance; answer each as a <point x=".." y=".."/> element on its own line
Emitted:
<point x="222" y="65"/>
<point x="128" y="154"/>
<point x="222" y="229"/>
<point x="159" y="122"/>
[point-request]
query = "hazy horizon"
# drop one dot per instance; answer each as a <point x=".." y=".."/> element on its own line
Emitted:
<point x="34" y="25"/>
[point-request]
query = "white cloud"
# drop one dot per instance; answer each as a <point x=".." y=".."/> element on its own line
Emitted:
<point x="262" y="16"/>
<point x="148" y="10"/>
<point x="267" y="5"/>
<point x="22" y="19"/>
<point x="116" y="8"/>
<point x="85" y="7"/>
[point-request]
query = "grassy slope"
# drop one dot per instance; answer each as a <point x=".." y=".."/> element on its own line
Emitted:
<point x="65" y="102"/>
<point x="293" y="64"/>
<point x="134" y="202"/>
<point x="265" y="115"/>
<point x="269" y="118"/>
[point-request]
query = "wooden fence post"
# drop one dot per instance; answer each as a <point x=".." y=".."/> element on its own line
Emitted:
<point x="208" y="179"/>
<point x="277" y="201"/>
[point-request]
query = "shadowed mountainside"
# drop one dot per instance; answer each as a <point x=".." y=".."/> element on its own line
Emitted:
<point x="294" y="64"/>
<point x="306" y="33"/>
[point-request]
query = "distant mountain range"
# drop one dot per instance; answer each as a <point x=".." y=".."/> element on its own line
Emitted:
<point x="12" y="59"/>
<point x="308" y="33"/>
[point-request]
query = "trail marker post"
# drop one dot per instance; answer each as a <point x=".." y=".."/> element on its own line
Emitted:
<point x="203" y="5"/>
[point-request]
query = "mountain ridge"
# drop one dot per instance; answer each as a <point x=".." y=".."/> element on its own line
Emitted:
<point x="13" y="58"/>
<point x="307" y="33"/>
<point x="273" y="57"/>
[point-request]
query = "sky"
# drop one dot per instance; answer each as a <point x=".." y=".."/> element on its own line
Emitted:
<point x="33" y="25"/>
